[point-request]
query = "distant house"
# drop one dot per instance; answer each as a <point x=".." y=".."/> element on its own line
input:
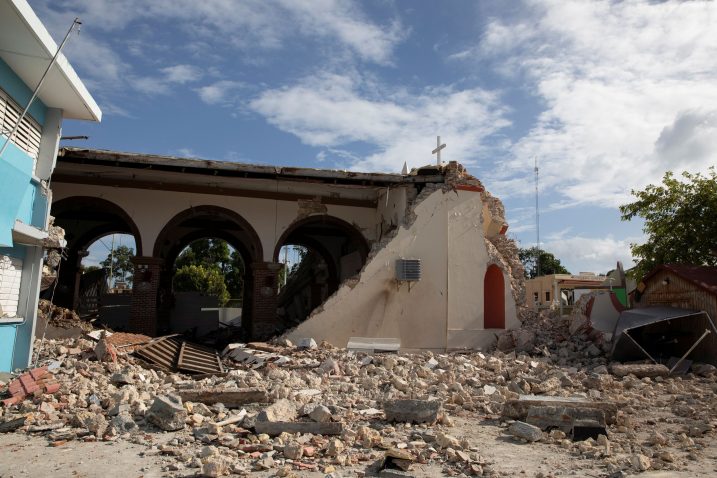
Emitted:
<point x="26" y="164"/>
<point x="677" y="285"/>
<point x="561" y="290"/>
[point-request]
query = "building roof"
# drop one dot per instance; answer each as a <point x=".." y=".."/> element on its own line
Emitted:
<point x="27" y="47"/>
<point x="704" y="277"/>
<point x="100" y="159"/>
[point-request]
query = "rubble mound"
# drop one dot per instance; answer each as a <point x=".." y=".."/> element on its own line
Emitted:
<point x="61" y="317"/>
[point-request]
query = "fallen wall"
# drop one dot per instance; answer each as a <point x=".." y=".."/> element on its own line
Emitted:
<point x="444" y="310"/>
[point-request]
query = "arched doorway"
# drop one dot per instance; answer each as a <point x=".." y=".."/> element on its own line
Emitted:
<point x="203" y="223"/>
<point x="85" y="221"/>
<point x="493" y="298"/>
<point x="332" y="250"/>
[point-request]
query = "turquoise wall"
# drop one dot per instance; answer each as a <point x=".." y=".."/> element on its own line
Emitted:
<point x="7" y="346"/>
<point x="18" y="91"/>
<point x="17" y="193"/>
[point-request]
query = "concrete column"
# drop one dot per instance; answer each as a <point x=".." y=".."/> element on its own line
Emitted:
<point x="263" y="322"/>
<point x="143" y="312"/>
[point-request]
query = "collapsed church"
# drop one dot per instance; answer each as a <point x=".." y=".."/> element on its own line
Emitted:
<point x="421" y="258"/>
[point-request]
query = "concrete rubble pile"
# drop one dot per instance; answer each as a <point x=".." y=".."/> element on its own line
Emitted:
<point x="327" y="410"/>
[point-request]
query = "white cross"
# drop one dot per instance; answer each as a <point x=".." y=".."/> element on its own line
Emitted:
<point x="438" y="149"/>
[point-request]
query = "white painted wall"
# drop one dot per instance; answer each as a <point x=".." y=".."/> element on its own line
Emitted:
<point x="444" y="309"/>
<point x="151" y="210"/>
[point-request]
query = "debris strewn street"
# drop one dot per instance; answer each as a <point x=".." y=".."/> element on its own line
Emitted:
<point x="327" y="411"/>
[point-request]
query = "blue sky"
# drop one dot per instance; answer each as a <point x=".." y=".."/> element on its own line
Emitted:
<point x="606" y="95"/>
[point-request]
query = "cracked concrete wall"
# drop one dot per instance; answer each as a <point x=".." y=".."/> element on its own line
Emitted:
<point x="444" y="310"/>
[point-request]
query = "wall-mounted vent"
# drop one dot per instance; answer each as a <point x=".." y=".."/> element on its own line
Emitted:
<point x="408" y="269"/>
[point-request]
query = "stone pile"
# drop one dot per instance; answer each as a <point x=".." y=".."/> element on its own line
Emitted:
<point x="328" y="410"/>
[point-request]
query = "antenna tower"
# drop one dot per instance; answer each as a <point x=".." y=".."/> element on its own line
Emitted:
<point x="537" y="221"/>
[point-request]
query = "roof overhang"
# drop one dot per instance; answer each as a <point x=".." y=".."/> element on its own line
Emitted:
<point x="27" y="48"/>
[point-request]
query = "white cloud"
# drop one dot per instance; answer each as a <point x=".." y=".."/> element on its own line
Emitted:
<point x="218" y="92"/>
<point x="331" y="110"/>
<point x="590" y="254"/>
<point x="249" y="24"/>
<point x="181" y="73"/>
<point x="629" y="88"/>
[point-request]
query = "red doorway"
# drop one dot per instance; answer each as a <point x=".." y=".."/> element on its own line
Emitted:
<point x="493" y="299"/>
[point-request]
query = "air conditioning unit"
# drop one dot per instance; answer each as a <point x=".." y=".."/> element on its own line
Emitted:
<point x="408" y="269"/>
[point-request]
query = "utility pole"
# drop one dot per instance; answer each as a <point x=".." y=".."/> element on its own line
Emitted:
<point x="112" y="260"/>
<point x="537" y="221"/>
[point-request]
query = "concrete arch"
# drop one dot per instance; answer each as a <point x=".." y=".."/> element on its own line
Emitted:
<point x="86" y="219"/>
<point x="494" y="298"/>
<point x="208" y="221"/>
<point x="74" y="209"/>
<point x="293" y="233"/>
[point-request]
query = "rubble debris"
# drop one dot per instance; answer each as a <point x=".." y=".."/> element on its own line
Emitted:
<point x="167" y="413"/>
<point x="519" y="408"/>
<point x="229" y="397"/>
<point x="564" y="418"/>
<point x="12" y="425"/>
<point x="323" y="410"/>
<point x="315" y="428"/>
<point x="173" y="353"/>
<point x="412" y="411"/>
<point x="525" y="431"/>
<point x="37" y="380"/>
<point x="639" y="370"/>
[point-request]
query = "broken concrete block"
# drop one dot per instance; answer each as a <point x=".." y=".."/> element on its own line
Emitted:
<point x="94" y="422"/>
<point x="124" y="423"/>
<point x="639" y="370"/>
<point x="293" y="450"/>
<point x="12" y="425"/>
<point x="282" y="410"/>
<point x="564" y="418"/>
<point x="335" y="447"/>
<point x="412" y="411"/>
<point x="315" y="428"/>
<point x="525" y="431"/>
<point x="229" y="397"/>
<point x="444" y="440"/>
<point x="121" y="378"/>
<point x="167" y="413"/>
<point x="307" y="343"/>
<point x="517" y="409"/>
<point x="320" y="414"/>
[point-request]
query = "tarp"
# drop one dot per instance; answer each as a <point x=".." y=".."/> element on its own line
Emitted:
<point x="660" y="333"/>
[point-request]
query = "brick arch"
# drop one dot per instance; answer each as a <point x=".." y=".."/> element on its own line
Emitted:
<point x="494" y="298"/>
<point x="245" y="239"/>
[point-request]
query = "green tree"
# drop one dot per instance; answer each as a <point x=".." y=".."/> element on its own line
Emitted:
<point x="213" y="255"/>
<point x="549" y="264"/>
<point x="207" y="280"/>
<point x="120" y="260"/>
<point x="680" y="221"/>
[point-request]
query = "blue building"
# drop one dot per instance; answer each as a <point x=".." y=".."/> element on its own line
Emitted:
<point x="26" y="50"/>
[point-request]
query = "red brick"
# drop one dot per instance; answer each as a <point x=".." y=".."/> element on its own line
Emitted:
<point x="52" y="388"/>
<point x="38" y="372"/>
<point x="11" y="401"/>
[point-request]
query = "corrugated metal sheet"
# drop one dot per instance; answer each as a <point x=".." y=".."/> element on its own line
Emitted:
<point x="173" y="353"/>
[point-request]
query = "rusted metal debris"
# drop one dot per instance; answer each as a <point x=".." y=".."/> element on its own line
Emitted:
<point x="173" y="353"/>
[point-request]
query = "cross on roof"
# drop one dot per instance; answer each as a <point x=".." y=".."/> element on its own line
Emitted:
<point x="438" y="149"/>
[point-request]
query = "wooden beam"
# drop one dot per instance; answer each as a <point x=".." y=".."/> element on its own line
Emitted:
<point x="202" y="189"/>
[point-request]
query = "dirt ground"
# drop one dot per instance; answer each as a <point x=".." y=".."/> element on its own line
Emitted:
<point x="30" y="456"/>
